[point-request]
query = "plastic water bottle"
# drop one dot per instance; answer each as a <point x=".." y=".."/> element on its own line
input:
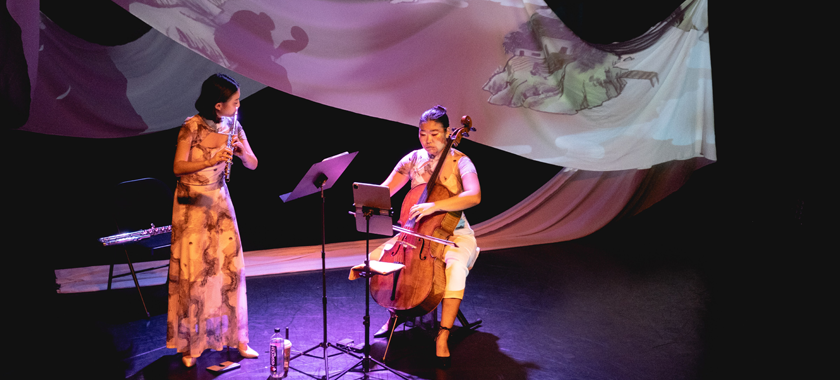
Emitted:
<point x="275" y="355"/>
<point x="280" y="350"/>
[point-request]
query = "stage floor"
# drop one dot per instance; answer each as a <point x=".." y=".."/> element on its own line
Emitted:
<point x="572" y="310"/>
<point x="623" y="303"/>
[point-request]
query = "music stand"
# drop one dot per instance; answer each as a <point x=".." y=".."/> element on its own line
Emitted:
<point x="373" y="207"/>
<point x="321" y="176"/>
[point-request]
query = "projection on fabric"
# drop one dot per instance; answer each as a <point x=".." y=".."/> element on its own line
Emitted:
<point x="87" y="90"/>
<point x="240" y="39"/>
<point x="557" y="73"/>
<point x="529" y="84"/>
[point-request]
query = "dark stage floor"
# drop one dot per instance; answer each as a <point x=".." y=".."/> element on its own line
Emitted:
<point x="609" y="306"/>
<point x="562" y="311"/>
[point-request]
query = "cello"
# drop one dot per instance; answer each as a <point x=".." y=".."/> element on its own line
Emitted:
<point x="418" y="288"/>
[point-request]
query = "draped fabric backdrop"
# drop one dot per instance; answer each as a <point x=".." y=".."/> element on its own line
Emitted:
<point x="532" y="86"/>
<point x="629" y="121"/>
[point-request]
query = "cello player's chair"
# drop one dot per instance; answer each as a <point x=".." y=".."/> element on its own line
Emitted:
<point x="431" y="321"/>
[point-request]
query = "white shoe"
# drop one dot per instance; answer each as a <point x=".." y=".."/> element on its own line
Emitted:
<point x="248" y="352"/>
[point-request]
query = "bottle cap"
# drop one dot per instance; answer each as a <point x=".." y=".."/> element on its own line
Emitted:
<point x="276" y="329"/>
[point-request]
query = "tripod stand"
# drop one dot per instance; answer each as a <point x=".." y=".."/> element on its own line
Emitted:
<point x="322" y="175"/>
<point x="381" y="197"/>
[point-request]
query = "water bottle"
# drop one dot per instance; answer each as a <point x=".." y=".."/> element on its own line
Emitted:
<point x="275" y="355"/>
<point x="280" y="350"/>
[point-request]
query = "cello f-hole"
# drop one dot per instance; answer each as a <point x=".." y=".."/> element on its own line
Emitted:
<point x="394" y="288"/>
<point x="422" y="247"/>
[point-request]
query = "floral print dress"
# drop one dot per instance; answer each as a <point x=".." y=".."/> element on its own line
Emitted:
<point x="207" y="304"/>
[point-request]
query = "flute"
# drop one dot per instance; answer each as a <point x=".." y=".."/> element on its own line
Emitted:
<point x="230" y="145"/>
<point x="130" y="237"/>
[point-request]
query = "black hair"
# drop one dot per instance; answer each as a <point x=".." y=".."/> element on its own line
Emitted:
<point x="438" y="114"/>
<point x="218" y="88"/>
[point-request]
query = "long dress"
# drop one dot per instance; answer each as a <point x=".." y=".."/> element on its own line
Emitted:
<point x="207" y="304"/>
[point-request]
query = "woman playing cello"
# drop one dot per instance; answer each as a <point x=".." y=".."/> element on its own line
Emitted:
<point x="458" y="175"/>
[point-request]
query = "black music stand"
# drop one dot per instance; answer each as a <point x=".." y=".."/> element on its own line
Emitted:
<point x="321" y="176"/>
<point x="373" y="205"/>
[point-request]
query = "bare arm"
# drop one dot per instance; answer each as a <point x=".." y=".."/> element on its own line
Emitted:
<point x="395" y="181"/>
<point x="182" y="166"/>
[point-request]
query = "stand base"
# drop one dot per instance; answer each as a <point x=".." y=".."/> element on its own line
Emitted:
<point x="365" y="365"/>
<point x="324" y="357"/>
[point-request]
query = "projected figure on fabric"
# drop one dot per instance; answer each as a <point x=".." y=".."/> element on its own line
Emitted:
<point x="258" y="57"/>
<point x="207" y="304"/>
<point x="224" y="32"/>
<point x="552" y="70"/>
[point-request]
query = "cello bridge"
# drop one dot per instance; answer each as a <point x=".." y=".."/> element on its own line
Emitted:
<point x="406" y="244"/>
